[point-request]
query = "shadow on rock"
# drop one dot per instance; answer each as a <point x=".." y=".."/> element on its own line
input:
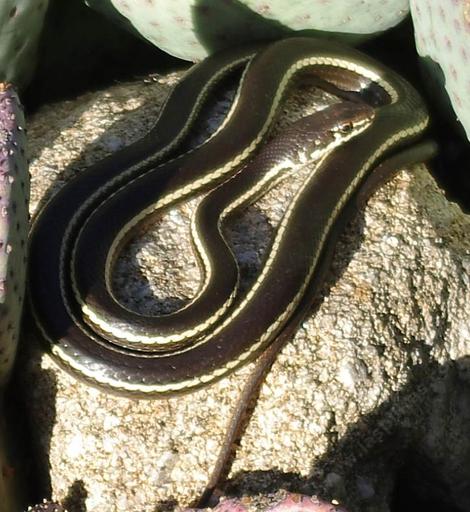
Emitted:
<point x="35" y="396"/>
<point x="411" y="453"/>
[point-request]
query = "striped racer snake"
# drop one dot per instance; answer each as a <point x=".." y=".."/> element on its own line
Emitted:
<point x="77" y="236"/>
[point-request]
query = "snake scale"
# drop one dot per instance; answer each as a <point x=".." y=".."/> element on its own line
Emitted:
<point x="76" y="238"/>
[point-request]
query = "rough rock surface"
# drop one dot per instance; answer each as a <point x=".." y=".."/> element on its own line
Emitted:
<point x="375" y="380"/>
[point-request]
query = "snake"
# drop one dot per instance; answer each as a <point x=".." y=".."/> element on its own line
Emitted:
<point x="77" y="236"/>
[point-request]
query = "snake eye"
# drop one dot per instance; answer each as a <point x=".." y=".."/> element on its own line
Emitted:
<point x="345" y="128"/>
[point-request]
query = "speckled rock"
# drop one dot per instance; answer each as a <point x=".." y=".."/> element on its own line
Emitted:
<point x="375" y="380"/>
<point x="442" y="34"/>
<point x="192" y="29"/>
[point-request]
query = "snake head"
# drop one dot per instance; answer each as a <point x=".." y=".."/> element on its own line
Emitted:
<point x="332" y="126"/>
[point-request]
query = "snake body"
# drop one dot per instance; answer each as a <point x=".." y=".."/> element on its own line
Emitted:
<point x="310" y="137"/>
<point x="76" y="237"/>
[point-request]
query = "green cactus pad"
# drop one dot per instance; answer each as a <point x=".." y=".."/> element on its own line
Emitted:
<point x="14" y="194"/>
<point x="442" y="31"/>
<point x="191" y="29"/>
<point x="20" y="26"/>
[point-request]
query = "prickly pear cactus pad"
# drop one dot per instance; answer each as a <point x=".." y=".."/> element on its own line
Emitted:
<point x="442" y="31"/>
<point x="46" y="506"/>
<point x="14" y="191"/>
<point x="191" y="29"/>
<point x="20" y="26"/>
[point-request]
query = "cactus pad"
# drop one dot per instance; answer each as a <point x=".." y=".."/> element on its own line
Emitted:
<point x="191" y="29"/>
<point x="14" y="193"/>
<point x="21" y="22"/>
<point x="442" y="31"/>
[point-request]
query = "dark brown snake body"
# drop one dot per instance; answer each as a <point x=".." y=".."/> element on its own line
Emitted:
<point x="76" y="238"/>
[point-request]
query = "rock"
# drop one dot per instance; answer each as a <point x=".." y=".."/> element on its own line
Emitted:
<point x="374" y="382"/>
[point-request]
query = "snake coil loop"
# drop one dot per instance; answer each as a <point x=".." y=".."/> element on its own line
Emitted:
<point x="76" y="238"/>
